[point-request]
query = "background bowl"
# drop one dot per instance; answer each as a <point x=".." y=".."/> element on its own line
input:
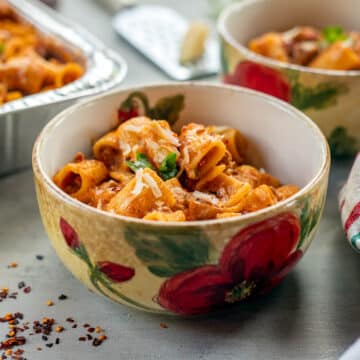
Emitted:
<point x="330" y="98"/>
<point x="193" y="267"/>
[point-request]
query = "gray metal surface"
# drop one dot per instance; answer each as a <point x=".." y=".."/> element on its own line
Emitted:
<point x="314" y="314"/>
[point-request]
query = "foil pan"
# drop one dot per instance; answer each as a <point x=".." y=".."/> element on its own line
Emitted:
<point x="21" y="120"/>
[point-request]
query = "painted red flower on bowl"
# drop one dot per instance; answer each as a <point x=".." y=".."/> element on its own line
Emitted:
<point x="261" y="78"/>
<point x="254" y="260"/>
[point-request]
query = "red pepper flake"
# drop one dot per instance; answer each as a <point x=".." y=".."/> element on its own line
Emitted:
<point x="86" y="325"/>
<point x="70" y="320"/>
<point x="163" y="325"/>
<point x="39" y="348"/>
<point x="96" y="342"/>
<point x="12" y="265"/>
<point x="27" y="290"/>
<point x="49" y="303"/>
<point x="89" y="337"/>
<point x="62" y="297"/>
<point x="98" y="330"/>
<point x="91" y="329"/>
<point x="57" y="341"/>
<point x="49" y="345"/>
<point x="82" y="338"/>
<point x="59" y="329"/>
<point x="74" y="326"/>
<point x="10" y="343"/>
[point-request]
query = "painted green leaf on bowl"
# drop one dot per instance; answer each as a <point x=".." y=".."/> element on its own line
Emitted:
<point x="170" y="251"/>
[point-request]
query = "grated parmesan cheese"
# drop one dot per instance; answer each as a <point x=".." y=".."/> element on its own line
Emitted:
<point x="139" y="185"/>
<point x="125" y="148"/>
<point x="186" y="156"/>
<point x="153" y="185"/>
<point x="134" y="128"/>
<point x="206" y="197"/>
<point x="168" y="135"/>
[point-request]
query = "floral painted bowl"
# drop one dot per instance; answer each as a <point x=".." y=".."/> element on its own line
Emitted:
<point x="328" y="97"/>
<point x="191" y="267"/>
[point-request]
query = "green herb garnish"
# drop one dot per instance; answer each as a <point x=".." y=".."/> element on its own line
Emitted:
<point x="168" y="168"/>
<point x="332" y="34"/>
<point x="141" y="162"/>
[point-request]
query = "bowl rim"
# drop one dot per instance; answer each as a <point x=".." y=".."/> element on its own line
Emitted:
<point x="250" y="55"/>
<point x="43" y="178"/>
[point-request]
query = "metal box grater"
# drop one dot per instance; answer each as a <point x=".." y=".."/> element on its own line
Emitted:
<point x="157" y="32"/>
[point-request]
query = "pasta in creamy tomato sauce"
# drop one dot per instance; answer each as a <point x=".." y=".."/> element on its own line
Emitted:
<point x="143" y="169"/>
<point x="331" y="48"/>
<point x="31" y="62"/>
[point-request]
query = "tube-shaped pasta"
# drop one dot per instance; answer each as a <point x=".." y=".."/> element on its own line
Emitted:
<point x="284" y="192"/>
<point x="270" y="45"/>
<point x="337" y="56"/>
<point x="107" y="150"/>
<point x="259" y="198"/>
<point x="230" y="191"/>
<point x="78" y="179"/>
<point x="152" y="138"/>
<point x="234" y="141"/>
<point x="142" y="195"/>
<point x="165" y="216"/>
<point x="251" y="175"/>
<point x="200" y="149"/>
<point x="209" y="176"/>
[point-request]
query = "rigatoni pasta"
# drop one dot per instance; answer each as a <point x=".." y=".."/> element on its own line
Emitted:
<point x="31" y="62"/>
<point x="332" y="48"/>
<point x="144" y="169"/>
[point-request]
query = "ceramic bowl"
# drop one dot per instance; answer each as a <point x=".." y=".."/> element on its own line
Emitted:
<point x="190" y="267"/>
<point x="330" y="98"/>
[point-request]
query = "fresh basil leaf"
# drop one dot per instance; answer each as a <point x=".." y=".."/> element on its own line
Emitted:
<point x="141" y="162"/>
<point x="334" y="33"/>
<point x="168" y="168"/>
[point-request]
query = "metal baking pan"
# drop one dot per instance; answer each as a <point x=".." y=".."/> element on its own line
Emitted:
<point x="21" y="120"/>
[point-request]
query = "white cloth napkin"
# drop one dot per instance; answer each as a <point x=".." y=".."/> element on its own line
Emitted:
<point x="349" y="202"/>
<point x="352" y="353"/>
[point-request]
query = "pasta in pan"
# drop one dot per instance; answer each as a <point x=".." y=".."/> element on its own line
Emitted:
<point x="30" y="62"/>
<point x="143" y="169"/>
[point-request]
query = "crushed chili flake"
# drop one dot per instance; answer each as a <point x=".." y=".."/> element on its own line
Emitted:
<point x="96" y="342"/>
<point x="163" y="325"/>
<point x="89" y="337"/>
<point x="21" y="284"/>
<point x="12" y="265"/>
<point x="49" y="303"/>
<point x="74" y="326"/>
<point x="59" y="329"/>
<point x="91" y="329"/>
<point x="49" y="345"/>
<point x="62" y="297"/>
<point x="70" y="320"/>
<point x="27" y="290"/>
<point x="14" y="341"/>
<point x="98" y="329"/>
<point x="86" y="325"/>
<point x="57" y="341"/>
<point x="82" y="338"/>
